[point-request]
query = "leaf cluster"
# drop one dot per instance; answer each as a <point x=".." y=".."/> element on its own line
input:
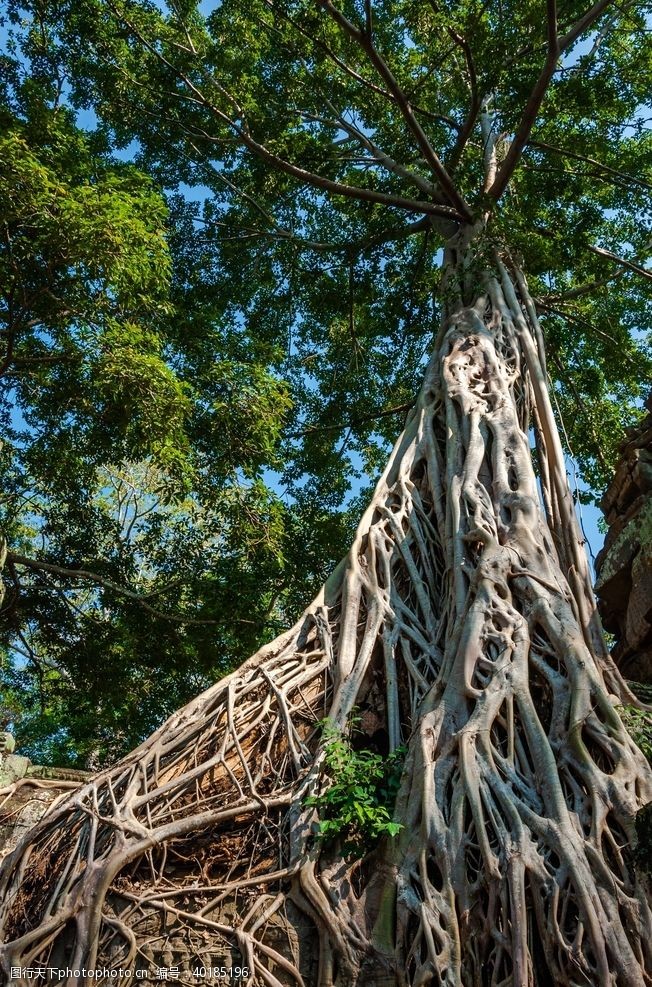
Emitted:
<point x="142" y="540"/>
<point x="344" y="291"/>
<point x="638" y="724"/>
<point x="359" y="789"/>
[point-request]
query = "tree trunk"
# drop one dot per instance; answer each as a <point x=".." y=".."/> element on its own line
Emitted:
<point x="463" y="619"/>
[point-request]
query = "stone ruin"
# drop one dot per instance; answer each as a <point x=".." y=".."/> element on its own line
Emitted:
<point x="27" y="790"/>
<point x="624" y="566"/>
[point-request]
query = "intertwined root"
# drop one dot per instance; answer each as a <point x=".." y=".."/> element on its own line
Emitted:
<point x="461" y="625"/>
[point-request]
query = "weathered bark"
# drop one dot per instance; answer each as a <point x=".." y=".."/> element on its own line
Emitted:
<point x="463" y="616"/>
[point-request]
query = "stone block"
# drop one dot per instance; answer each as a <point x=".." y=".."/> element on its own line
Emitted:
<point x="13" y="767"/>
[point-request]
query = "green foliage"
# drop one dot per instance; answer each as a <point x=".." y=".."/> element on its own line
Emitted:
<point x="638" y="724"/>
<point x="98" y="670"/>
<point x="332" y="304"/>
<point x="241" y="346"/>
<point x="85" y="272"/>
<point x="359" y="790"/>
<point x="134" y="436"/>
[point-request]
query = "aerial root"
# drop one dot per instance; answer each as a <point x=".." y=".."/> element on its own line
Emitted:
<point x="461" y="626"/>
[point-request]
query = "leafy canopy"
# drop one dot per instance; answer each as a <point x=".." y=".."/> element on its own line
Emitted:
<point x="324" y="140"/>
<point x="314" y="158"/>
<point x="141" y="541"/>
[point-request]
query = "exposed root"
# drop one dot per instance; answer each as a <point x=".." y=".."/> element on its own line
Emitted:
<point x="463" y="617"/>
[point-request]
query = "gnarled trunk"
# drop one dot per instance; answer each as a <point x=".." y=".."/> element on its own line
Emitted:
<point x="463" y="618"/>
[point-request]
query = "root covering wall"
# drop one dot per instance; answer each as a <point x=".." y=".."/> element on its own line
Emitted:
<point x="463" y="618"/>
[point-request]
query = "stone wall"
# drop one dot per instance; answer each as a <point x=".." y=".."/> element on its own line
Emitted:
<point x="624" y="566"/>
<point x="26" y="792"/>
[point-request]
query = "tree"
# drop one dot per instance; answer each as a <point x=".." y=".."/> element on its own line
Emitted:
<point x="85" y="269"/>
<point x="123" y="439"/>
<point x="461" y="624"/>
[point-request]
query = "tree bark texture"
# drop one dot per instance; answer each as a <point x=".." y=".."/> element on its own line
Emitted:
<point x="463" y="619"/>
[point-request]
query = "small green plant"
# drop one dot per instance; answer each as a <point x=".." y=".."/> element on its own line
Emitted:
<point x="359" y="792"/>
<point x="638" y="724"/>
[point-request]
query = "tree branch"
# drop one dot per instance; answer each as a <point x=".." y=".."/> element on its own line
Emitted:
<point x="351" y="72"/>
<point x="532" y="106"/>
<point x="573" y="293"/>
<point x="592" y="161"/>
<point x="555" y="47"/>
<point x="476" y="102"/>
<point x="9" y="354"/>
<point x="388" y="235"/>
<point x="630" y="265"/>
<point x="602" y="252"/>
<point x="392" y="233"/>
<point x="141" y="598"/>
<point x="423" y="184"/>
<point x="281" y="164"/>
<point x="340" y="426"/>
<point x="57" y="570"/>
<point x="581" y="25"/>
<point x="386" y="74"/>
<point x="544" y="305"/>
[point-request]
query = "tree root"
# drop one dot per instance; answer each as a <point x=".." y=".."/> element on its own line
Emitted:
<point x="463" y="618"/>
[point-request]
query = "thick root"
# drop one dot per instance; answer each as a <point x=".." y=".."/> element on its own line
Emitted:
<point x="462" y="623"/>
